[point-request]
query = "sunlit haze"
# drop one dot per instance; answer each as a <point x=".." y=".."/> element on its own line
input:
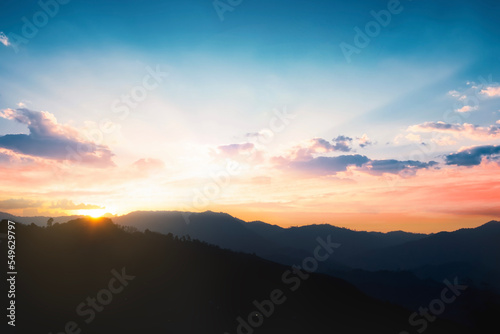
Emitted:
<point x="290" y="119"/>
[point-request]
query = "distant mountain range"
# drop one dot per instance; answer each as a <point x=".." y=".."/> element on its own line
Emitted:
<point x="96" y="277"/>
<point x="38" y="220"/>
<point x="403" y="268"/>
<point x="472" y="254"/>
<point x="284" y="245"/>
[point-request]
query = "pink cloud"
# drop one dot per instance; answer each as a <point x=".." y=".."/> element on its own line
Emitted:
<point x="466" y="130"/>
<point x="4" y="39"/>
<point x="491" y="91"/>
<point x="148" y="165"/>
<point x="244" y="152"/>
<point x="315" y="146"/>
<point x="466" y="109"/>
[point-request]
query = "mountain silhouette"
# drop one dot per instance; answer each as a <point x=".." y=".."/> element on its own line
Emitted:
<point x="407" y="269"/>
<point x="95" y="276"/>
<point x="471" y="253"/>
<point x="402" y="268"/>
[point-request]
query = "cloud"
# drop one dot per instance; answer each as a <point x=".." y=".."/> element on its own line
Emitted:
<point x="364" y="141"/>
<point x="333" y="165"/>
<point x="307" y="150"/>
<point x="148" y="165"/>
<point x="391" y="166"/>
<point x="243" y="152"/>
<point x="457" y="95"/>
<point x="320" y="145"/>
<point x="50" y="140"/>
<point x="262" y="134"/>
<point x="69" y="205"/>
<point x="443" y="141"/>
<point x="465" y="97"/>
<point x="342" y="143"/>
<point x="9" y="158"/>
<point x="235" y="149"/>
<point x="313" y="158"/>
<point x="467" y="130"/>
<point x="473" y="156"/>
<point x="329" y="165"/>
<point x="413" y="137"/>
<point x="4" y="39"/>
<point x="491" y="91"/>
<point x="10" y="204"/>
<point x="466" y="109"/>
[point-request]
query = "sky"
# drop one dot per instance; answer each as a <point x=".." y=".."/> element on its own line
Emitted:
<point x="371" y="115"/>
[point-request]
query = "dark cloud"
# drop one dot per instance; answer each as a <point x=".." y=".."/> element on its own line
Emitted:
<point x="473" y="156"/>
<point x="342" y="138"/>
<point x="438" y="126"/>
<point x="391" y="166"/>
<point x="308" y="150"/>
<point x="342" y="143"/>
<point x="234" y="149"/>
<point x="333" y="165"/>
<point x="329" y="165"/>
<point x="50" y="140"/>
<point x="364" y="141"/>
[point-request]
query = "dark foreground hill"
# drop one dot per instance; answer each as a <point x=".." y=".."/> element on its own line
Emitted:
<point x="91" y="276"/>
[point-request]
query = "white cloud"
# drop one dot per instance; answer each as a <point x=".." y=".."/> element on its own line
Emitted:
<point x="4" y="39"/>
<point x="466" y="109"/>
<point x="413" y="137"/>
<point x="457" y="95"/>
<point x="364" y="140"/>
<point x="491" y="91"/>
<point x="443" y="141"/>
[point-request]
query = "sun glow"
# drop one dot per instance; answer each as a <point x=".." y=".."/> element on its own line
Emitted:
<point x="94" y="213"/>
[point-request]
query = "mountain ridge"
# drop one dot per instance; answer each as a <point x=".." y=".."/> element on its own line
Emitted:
<point x="182" y="286"/>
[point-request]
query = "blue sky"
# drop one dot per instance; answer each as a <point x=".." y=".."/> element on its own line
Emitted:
<point x="429" y="62"/>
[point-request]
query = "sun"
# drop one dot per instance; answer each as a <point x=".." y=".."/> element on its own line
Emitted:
<point x="94" y="213"/>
